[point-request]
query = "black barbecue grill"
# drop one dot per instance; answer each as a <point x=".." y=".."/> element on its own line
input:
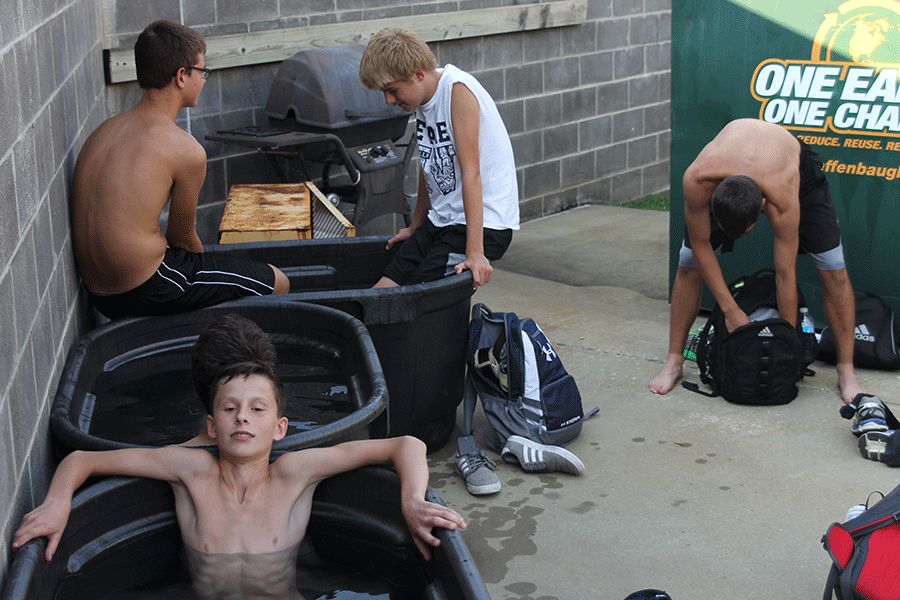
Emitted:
<point x="320" y="113"/>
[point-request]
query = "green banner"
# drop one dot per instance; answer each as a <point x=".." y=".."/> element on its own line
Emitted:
<point x="828" y="72"/>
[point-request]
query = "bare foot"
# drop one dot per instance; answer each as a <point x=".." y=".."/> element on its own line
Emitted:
<point x="665" y="381"/>
<point x="850" y="387"/>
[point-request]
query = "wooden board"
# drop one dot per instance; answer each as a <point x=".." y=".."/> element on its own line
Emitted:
<point x="266" y="212"/>
<point x="234" y="50"/>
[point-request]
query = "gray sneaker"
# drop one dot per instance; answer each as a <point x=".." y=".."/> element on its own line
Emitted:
<point x="535" y="457"/>
<point x="478" y="471"/>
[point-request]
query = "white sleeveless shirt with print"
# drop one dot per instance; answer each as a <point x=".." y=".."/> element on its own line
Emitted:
<point x="440" y="165"/>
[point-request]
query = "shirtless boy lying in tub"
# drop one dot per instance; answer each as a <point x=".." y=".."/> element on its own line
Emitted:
<point x="240" y="504"/>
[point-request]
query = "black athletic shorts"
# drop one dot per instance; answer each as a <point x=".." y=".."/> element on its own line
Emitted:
<point x="431" y="252"/>
<point x="188" y="281"/>
<point x="820" y="234"/>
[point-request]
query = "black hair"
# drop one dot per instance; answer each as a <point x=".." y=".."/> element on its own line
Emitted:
<point x="232" y="346"/>
<point x="163" y="48"/>
<point x="736" y="204"/>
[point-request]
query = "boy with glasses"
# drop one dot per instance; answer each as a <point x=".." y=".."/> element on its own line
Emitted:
<point x="128" y="170"/>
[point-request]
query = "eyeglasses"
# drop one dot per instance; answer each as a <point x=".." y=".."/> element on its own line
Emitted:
<point x="204" y="72"/>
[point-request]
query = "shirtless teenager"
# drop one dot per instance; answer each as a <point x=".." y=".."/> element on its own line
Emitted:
<point x="128" y="170"/>
<point x="238" y="509"/>
<point x="785" y="177"/>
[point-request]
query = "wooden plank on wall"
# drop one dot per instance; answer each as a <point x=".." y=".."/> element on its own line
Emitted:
<point x="275" y="46"/>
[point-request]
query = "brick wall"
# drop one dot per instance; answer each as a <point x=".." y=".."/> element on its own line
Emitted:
<point x="52" y="96"/>
<point x="587" y="106"/>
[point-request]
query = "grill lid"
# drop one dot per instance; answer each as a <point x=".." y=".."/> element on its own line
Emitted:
<point x="321" y="88"/>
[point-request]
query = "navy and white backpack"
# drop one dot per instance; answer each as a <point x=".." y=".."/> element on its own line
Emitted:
<point x="524" y="388"/>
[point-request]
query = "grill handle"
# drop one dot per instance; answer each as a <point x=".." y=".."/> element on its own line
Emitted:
<point x="371" y="114"/>
<point x="311" y="138"/>
<point x="289" y="139"/>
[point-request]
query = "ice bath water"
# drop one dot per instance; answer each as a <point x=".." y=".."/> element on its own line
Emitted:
<point x="325" y="583"/>
<point x="149" y="400"/>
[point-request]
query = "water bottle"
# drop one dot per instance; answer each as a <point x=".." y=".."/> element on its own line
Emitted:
<point x="690" y="348"/>
<point x="810" y="343"/>
<point x="807" y="324"/>
<point x="855" y="511"/>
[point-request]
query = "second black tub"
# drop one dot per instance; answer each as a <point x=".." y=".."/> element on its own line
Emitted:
<point x="419" y="331"/>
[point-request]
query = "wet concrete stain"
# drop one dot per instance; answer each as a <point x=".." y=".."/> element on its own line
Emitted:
<point x="504" y="532"/>
<point x="548" y="482"/>
<point x="499" y="533"/>
<point x="438" y="480"/>
<point x="583" y="508"/>
<point x="502" y="527"/>
<point x="523" y="590"/>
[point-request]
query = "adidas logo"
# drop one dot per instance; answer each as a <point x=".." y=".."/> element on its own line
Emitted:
<point x="862" y="334"/>
<point x="765" y="332"/>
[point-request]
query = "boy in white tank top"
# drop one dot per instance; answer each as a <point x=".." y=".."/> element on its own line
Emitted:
<point x="468" y="197"/>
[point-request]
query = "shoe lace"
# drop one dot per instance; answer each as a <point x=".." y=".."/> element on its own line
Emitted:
<point x="472" y="462"/>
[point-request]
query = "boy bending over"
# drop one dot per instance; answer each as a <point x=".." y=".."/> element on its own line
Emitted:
<point x="236" y="508"/>
<point x="468" y="197"/>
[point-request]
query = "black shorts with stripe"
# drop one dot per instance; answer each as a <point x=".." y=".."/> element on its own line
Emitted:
<point x="188" y="281"/>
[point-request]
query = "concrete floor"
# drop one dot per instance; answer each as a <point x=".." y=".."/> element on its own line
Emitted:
<point x="689" y="494"/>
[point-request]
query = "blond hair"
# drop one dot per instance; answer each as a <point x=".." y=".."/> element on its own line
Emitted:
<point x="393" y="55"/>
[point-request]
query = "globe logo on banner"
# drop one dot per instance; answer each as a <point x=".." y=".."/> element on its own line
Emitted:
<point x="866" y="32"/>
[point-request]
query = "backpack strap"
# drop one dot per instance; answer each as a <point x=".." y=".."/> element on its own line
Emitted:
<point x="704" y="356"/>
<point x="470" y="397"/>
<point x="839" y="544"/>
<point x="831" y="583"/>
<point x="690" y="385"/>
<point x="515" y="354"/>
<point x="470" y="393"/>
<point x="764" y="374"/>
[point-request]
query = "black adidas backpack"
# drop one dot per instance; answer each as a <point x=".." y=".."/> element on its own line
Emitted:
<point x="762" y="361"/>
<point x="877" y="336"/>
